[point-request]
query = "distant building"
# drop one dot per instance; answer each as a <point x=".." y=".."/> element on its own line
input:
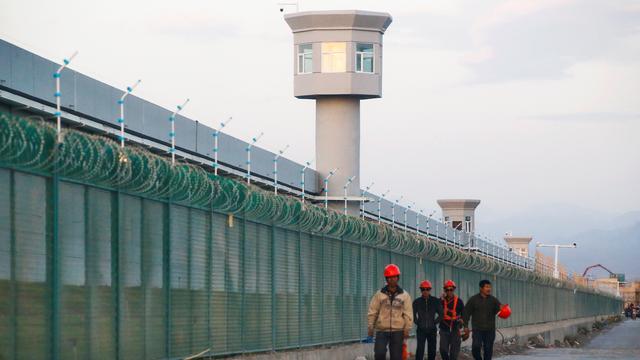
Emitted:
<point x="544" y="265"/>
<point x="630" y="292"/>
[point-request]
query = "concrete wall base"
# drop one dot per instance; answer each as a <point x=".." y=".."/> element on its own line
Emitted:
<point x="550" y="331"/>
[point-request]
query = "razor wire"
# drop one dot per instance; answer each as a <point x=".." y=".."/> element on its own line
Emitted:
<point x="31" y="145"/>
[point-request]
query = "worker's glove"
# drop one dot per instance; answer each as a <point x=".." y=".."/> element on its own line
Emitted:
<point x="368" y="340"/>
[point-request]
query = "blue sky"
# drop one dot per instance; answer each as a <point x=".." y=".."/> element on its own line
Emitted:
<point x="522" y="104"/>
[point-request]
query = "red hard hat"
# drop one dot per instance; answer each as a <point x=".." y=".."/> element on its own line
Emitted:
<point x="391" y="270"/>
<point x="425" y="284"/>
<point x="449" y="283"/>
<point x="505" y="311"/>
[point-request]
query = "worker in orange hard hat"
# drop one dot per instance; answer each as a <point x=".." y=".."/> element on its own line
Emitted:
<point x="427" y="313"/>
<point x="453" y="307"/>
<point x="390" y="315"/>
<point x="482" y="309"/>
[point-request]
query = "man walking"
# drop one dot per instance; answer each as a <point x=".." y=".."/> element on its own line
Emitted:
<point x="450" y="325"/>
<point x="390" y="315"/>
<point x="427" y="314"/>
<point x="482" y="309"/>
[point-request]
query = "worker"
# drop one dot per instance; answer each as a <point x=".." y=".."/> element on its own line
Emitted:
<point x="427" y="314"/>
<point x="482" y="309"/>
<point x="390" y="315"/>
<point x="453" y="307"/>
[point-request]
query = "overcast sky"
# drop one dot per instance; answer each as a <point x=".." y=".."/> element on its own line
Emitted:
<point x="522" y="104"/>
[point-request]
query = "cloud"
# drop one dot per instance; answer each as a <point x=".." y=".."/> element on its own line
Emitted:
<point x="541" y="39"/>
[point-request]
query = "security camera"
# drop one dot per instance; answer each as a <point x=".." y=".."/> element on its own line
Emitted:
<point x="281" y="9"/>
<point x="575" y="245"/>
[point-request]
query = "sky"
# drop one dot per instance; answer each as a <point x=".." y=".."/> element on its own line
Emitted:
<point x="524" y="104"/>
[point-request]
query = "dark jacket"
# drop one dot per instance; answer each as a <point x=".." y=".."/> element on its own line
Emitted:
<point x="427" y="313"/>
<point x="448" y="308"/>
<point x="482" y="312"/>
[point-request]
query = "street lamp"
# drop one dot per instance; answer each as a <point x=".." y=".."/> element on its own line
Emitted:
<point x="121" y="103"/>
<point x="58" y="94"/>
<point x="379" y="204"/>
<point x="362" y="201"/>
<point x="345" y="188"/>
<point x="216" y="135"/>
<point x="556" y="273"/>
<point x="275" y="168"/>
<point x="304" y="169"/>
<point x="172" y="134"/>
<point x="326" y="187"/>
<point x="393" y="211"/>
<point x="248" y="149"/>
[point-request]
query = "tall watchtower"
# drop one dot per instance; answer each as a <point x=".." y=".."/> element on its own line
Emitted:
<point x="338" y="62"/>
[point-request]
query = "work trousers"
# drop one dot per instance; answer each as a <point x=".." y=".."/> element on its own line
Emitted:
<point x="392" y="339"/>
<point x="430" y="337"/>
<point x="450" y="343"/>
<point x="483" y="339"/>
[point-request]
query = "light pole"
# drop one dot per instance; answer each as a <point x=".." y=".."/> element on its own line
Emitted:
<point x="172" y="134"/>
<point x="345" y="188"/>
<point x="556" y="273"/>
<point x="121" y="103"/>
<point x="248" y="149"/>
<point x="302" y="171"/>
<point x="275" y="168"/>
<point x="326" y="187"/>
<point x="379" y="204"/>
<point x="216" y="135"/>
<point x="393" y="211"/>
<point x="58" y="95"/>
<point x="362" y="195"/>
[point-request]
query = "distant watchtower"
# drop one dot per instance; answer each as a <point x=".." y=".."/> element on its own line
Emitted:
<point x="338" y="62"/>
<point x="459" y="213"/>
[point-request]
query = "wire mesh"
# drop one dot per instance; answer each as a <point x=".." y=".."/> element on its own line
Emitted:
<point x="115" y="253"/>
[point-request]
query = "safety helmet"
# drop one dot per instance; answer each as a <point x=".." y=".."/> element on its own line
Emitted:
<point x="505" y="311"/>
<point x="449" y="283"/>
<point x="425" y="284"/>
<point x="391" y="270"/>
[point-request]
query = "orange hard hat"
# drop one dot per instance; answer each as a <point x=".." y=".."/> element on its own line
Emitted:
<point x="448" y="284"/>
<point x="391" y="270"/>
<point x="425" y="284"/>
<point x="505" y="311"/>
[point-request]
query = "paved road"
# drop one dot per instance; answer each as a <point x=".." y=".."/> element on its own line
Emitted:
<point x="622" y="342"/>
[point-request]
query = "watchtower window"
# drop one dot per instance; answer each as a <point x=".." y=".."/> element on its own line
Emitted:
<point x="305" y="59"/>
<point x="334" y="57"/>
<point x="364" y="58"/>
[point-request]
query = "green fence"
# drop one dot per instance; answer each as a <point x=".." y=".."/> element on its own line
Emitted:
<point x="96" y="267"/>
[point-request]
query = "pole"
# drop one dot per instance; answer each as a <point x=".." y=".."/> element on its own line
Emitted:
<point x="58" y="95"/>
<point x="345" y="188"/>
<point x="121" y="103"/>
<point x="304" y="168"/>
<point x="362" y="201"/>
<point x="216" y="135"/>
<point x="393" y="211"/>
<point x="249" y="146"/>
<point x="172" y="134"/>
<point x="379" y="204"/>
<point x="275" y="168"/>
<point x="326" y="187"/>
